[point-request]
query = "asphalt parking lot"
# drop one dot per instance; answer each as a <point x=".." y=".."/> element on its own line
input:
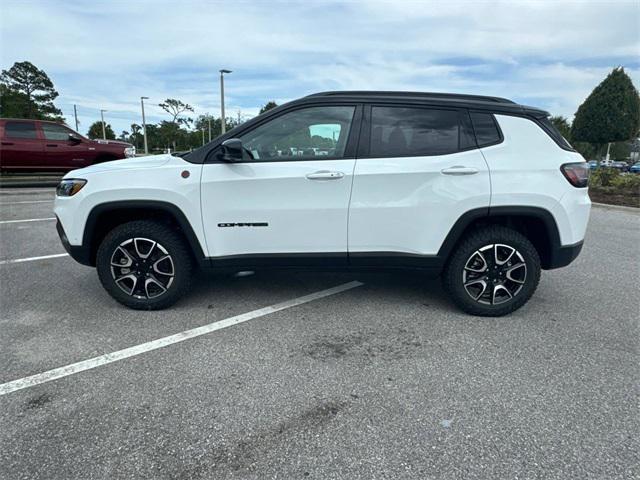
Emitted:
<point x="380" y="380"/>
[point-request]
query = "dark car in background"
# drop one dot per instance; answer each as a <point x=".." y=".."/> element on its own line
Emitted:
<point x="40" y="145"/>
<point x="622" y="166"/>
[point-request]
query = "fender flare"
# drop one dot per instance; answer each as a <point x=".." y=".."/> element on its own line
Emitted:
<point x="456" y="232"/>
<point x="176" y="213"/>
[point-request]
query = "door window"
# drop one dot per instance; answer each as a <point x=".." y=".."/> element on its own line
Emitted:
<point x="20" y="130"/>
<point x="310" y="133"/>
<point x="405" y="131"/>
<point x="55" y="132"/>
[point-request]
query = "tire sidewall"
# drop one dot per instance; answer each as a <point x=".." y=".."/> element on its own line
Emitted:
<point x="158" y="233"/>
<point x="454" y="271"/>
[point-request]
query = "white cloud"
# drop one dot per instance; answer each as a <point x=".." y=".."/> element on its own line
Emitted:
<point x="108" y="54"/>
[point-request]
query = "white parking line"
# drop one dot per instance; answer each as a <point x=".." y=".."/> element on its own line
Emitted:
<point x="61" y="372"/>
<point x="31" y="259"/>
<point x="28" y="220"/>
<point x="25" y="202"/>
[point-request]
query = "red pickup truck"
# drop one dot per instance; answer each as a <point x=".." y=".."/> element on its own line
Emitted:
<point x="39" y="145"/>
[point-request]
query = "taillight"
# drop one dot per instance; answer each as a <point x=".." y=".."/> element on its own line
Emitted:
<point x="576" y="173"/>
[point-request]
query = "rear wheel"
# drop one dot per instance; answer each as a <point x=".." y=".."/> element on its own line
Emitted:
<point x="493" y="272"/>
<point x="144" y="265"/>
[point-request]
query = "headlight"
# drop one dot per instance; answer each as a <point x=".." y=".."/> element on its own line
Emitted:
<point x="70" y="186"/>
<point x="130" y="152"/>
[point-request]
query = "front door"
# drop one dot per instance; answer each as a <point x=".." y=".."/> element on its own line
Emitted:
<point x="61" y="153"/>
<point x="288" y="200"/>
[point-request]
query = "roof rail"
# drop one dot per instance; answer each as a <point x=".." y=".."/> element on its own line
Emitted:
<point x="452" y="96"/>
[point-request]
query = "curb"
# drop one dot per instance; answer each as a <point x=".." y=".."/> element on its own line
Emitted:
<point x="616" y="207"/>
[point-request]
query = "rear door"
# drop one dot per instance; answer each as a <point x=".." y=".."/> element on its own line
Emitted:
<point x="419" y="172"/>
<point x="20" y="146"/>
<point x="287" y="202"/>
<point x="61" y="153"/>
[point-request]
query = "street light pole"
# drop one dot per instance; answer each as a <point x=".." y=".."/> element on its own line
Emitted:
<point x="209" y="121"/>
<point x="144" y="126"/>
<point x="223" y="121"/>
<point x="104" y="132"/>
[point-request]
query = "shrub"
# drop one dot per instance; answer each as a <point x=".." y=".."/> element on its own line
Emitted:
<point x="629" y="183"/>
<point x="603" y="177"/>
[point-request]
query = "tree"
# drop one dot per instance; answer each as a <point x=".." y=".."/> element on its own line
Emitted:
<point x="175" y="108"/>
<point x="202" y="122"/>
<point x="268" y="106"/>
<point x="611" y="113"/>
<point x="12" y="104"/>
<point x="95" y="131"/>
<point x="135" y="134"/>
<point x="562" y="125"/>
<point x="32" y="90"/>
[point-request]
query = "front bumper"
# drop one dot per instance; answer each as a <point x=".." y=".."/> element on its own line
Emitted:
<point x="79" y="253"/>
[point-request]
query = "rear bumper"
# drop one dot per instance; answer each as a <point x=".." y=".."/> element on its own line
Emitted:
<point x="563" y="256"/>
<point x="79" y="253"/>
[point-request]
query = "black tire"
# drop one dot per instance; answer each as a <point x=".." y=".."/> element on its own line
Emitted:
<point x="146" y="294"/>
<point x="466" y="264"/>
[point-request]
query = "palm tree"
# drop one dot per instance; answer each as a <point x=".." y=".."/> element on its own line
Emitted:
<point x="135" y="128"/>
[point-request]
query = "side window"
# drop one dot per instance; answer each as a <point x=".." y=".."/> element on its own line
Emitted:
<point x="55" y="132"/>
<point x="309" y="133"/>
<point x="20" y="130"/>
<point x="401" y="131"/>
<point x="487" y="132"/>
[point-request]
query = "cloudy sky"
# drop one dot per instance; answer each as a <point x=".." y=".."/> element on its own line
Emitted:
<point x="106" y="54"/>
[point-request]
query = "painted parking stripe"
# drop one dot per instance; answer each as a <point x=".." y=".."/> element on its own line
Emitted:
<point x="61" y="372"/>
<point x="26" y="202"/>
<point x="28" y="220"/>
<point x="32" y="259"/>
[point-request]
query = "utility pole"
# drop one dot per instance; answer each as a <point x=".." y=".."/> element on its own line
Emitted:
<point x="75" y="114"/>
<point x="209" y="120"/>
<point x="203" y="136"/>
<point x="223" y="121"/>
<point x="144" y="126"/>
<point x="104" y="132"/>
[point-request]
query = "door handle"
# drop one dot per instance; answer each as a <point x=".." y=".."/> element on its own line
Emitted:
<point x="459" y="170"/>
<point x="51" y="145"/>
<point x="325" y="175"/>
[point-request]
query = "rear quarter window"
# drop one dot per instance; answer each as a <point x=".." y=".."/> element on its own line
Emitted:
<point x="555" y="133"/>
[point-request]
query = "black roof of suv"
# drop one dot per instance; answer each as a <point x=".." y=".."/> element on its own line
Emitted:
<point x="481" y="102"/>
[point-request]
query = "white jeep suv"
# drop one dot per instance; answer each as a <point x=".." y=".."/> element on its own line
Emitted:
<point x="479" y="189"/>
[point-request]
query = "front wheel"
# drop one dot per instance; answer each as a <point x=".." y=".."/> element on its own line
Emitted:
<point x="493" y="272"/>
<point x="144" y="265"/>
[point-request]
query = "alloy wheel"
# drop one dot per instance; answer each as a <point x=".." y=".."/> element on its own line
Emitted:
<point x="494" y="274"/>
<point x="142" y="268"/>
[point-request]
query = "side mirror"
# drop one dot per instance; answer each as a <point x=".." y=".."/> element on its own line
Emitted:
<point x="231" y="150"/>
<point x="74" y="139"/>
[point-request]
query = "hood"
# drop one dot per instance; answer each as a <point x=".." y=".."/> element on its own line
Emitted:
<point x="116" y="143"/>
<point x="150" y="161"/>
